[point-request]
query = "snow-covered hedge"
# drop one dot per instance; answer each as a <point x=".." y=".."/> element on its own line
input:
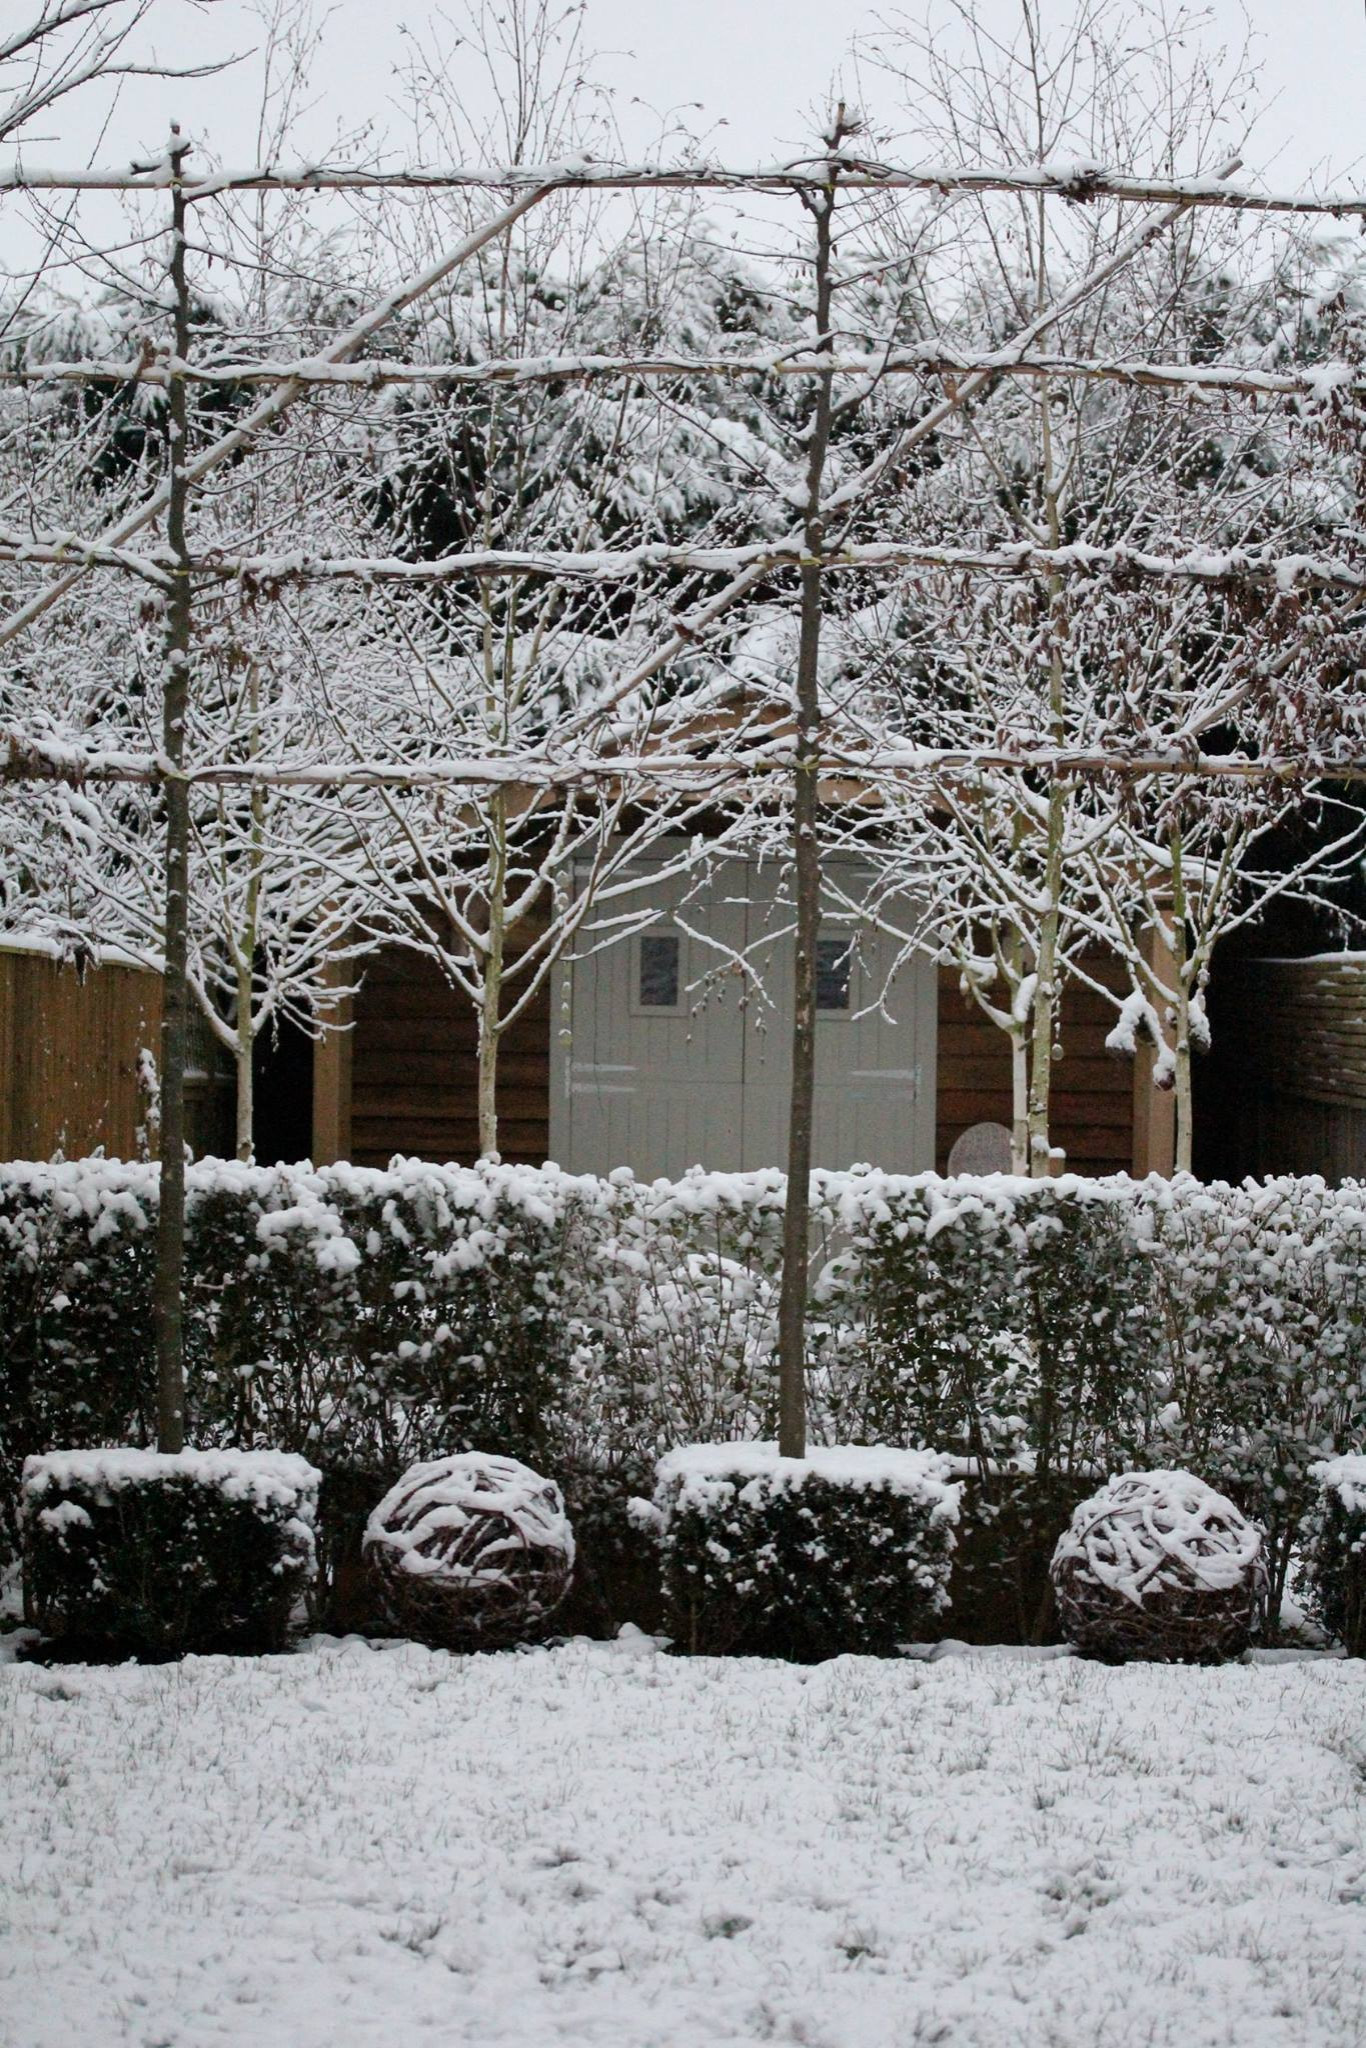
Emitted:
<point x="1090" y="1326"/>
<point x="135" y="1551"/>
<point x="1049" y="1332"/>
<point x="847" y="1549"/>
<point x="366" y="1320"/>
<point x="1338" y="1549"/>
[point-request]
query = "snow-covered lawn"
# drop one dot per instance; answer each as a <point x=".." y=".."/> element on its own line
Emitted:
<point x="602" y="1844"/>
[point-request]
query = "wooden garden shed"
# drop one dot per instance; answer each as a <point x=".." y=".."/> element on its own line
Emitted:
<point x="611" y="1066"/>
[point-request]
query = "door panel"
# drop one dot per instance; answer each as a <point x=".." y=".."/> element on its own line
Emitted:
<point x="874" y="1072"/>
<point x="658" y="1088"/>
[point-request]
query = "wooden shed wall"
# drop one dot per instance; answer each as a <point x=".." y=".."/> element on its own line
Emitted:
<point x="1093" y="1103"/>
<point x="412" y="1069"/>
<point x="69" y="1055"/>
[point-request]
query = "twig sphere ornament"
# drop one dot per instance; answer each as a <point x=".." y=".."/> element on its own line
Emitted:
<point x="1158" y="1565"/>
<point x="471" y="1552"/>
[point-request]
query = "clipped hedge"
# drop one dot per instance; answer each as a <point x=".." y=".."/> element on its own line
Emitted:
<point x="132" y="1552"/>
<point x="1338" y="1550"/>
<point x="1047" y="1333"/>
<point x="364" y="1320"/>
<point x="847" y="1549"/>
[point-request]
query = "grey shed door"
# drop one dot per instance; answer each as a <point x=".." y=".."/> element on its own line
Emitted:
<point x="673" y="1061"/>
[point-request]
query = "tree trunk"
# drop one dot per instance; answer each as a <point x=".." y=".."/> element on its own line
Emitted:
<point x="167" y="1286"/>
<point x="1046" y="986"/>
<point x="1019" y="1044"/>
<point x="1181" y="1001"/>
<point x="246" y="939"/>
<point x="807" y="873"/>
<point x="1019" y="1097"/>
<point x="242" y="1056"/>
<point x="490" y="1007"/>
<point x="1046" y="997"/>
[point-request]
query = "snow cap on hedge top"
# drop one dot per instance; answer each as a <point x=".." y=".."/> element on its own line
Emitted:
<point x="270" y="1478"/>
<point x="697" y="1474"/>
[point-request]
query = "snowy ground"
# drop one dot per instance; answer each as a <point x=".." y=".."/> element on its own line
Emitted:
<point x="604" y="1845"/>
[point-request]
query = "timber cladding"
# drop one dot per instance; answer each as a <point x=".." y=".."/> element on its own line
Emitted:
<point x="69" y="1046"/>
<point x="1291" y="1036"/>
<point x="1302" y="1023"/>
<point x="413" y="1069"/>
<point x="1092" y="1090"/>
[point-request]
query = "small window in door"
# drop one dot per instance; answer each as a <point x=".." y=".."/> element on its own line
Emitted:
<point x="659" y="974"/>
<point x="834" y="959"/>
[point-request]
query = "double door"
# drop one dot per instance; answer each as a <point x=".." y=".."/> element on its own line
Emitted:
<point x="678" y="1047"/>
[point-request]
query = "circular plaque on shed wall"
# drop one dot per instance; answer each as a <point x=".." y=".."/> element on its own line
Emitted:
<point x="983" y="1148"/>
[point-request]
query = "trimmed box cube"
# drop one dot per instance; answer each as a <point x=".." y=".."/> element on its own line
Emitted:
<point x="846" y="1549"/>
<point x="150" y="1554"/>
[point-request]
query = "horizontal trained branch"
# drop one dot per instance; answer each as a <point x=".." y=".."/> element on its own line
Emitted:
<point x="1195" y="380"/>
<point x="34" y="759"/>
<point x="1224" y="568"/>
<point x="1079" y="182"/>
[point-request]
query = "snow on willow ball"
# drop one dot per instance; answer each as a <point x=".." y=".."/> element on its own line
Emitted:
<point x="471" y="1552"/>
<point x="1157" y="1565"/>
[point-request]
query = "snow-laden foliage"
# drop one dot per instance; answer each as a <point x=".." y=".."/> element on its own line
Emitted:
<point x="363" y="1319"/>
<point x="1048" y="1333"/>
<point x="845" y="1550"/>
<point x="471" y="1552"/>
<point x="1337" y="1533"/>
<point x="130" y="1551"/>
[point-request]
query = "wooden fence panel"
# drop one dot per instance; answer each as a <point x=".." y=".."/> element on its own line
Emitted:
<point x="413" y="1083"/>
<point x="1290" y="1036"/>
<point x="69" y="1046"/>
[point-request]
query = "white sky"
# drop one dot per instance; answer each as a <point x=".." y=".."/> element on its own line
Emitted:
<point x="756" y="65"/>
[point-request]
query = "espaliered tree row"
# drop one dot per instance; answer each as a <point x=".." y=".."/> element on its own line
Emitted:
<point x="413" y="581"/>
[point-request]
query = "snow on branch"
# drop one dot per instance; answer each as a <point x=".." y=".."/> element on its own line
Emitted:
<point x="1224" y="568"/>
<point x="244" y="435"/>
<point x="1076" y="181"/>
<point x="28" y="758"/>
<point x="1192" y="380"/>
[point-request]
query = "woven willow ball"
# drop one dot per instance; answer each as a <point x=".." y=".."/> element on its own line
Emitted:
<point x="471" y="1552"/>
<point x="1157" y="1565"/>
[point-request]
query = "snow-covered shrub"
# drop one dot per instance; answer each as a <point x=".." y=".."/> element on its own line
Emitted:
<point x="140" y="1552"/>
<point x="1159" y="1566"/>
<point x="1259" y="1296"/>
<point x="1009" y="1521"/>
<point x="988" y="1316"/>
<point x="678" y="1294"/>
<point x="1046" y="1332"/>
<point x="361" y="1318"/>
<point x="76" y="1363"/>
<point x="471" y="1552"/>
<point x="847" y="1549"/>
<point x="380" y="1317"/>
<point x="1007" y="1321"/>
<point x="1337" y="1556"/>
<point x="672" y="1287"/>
